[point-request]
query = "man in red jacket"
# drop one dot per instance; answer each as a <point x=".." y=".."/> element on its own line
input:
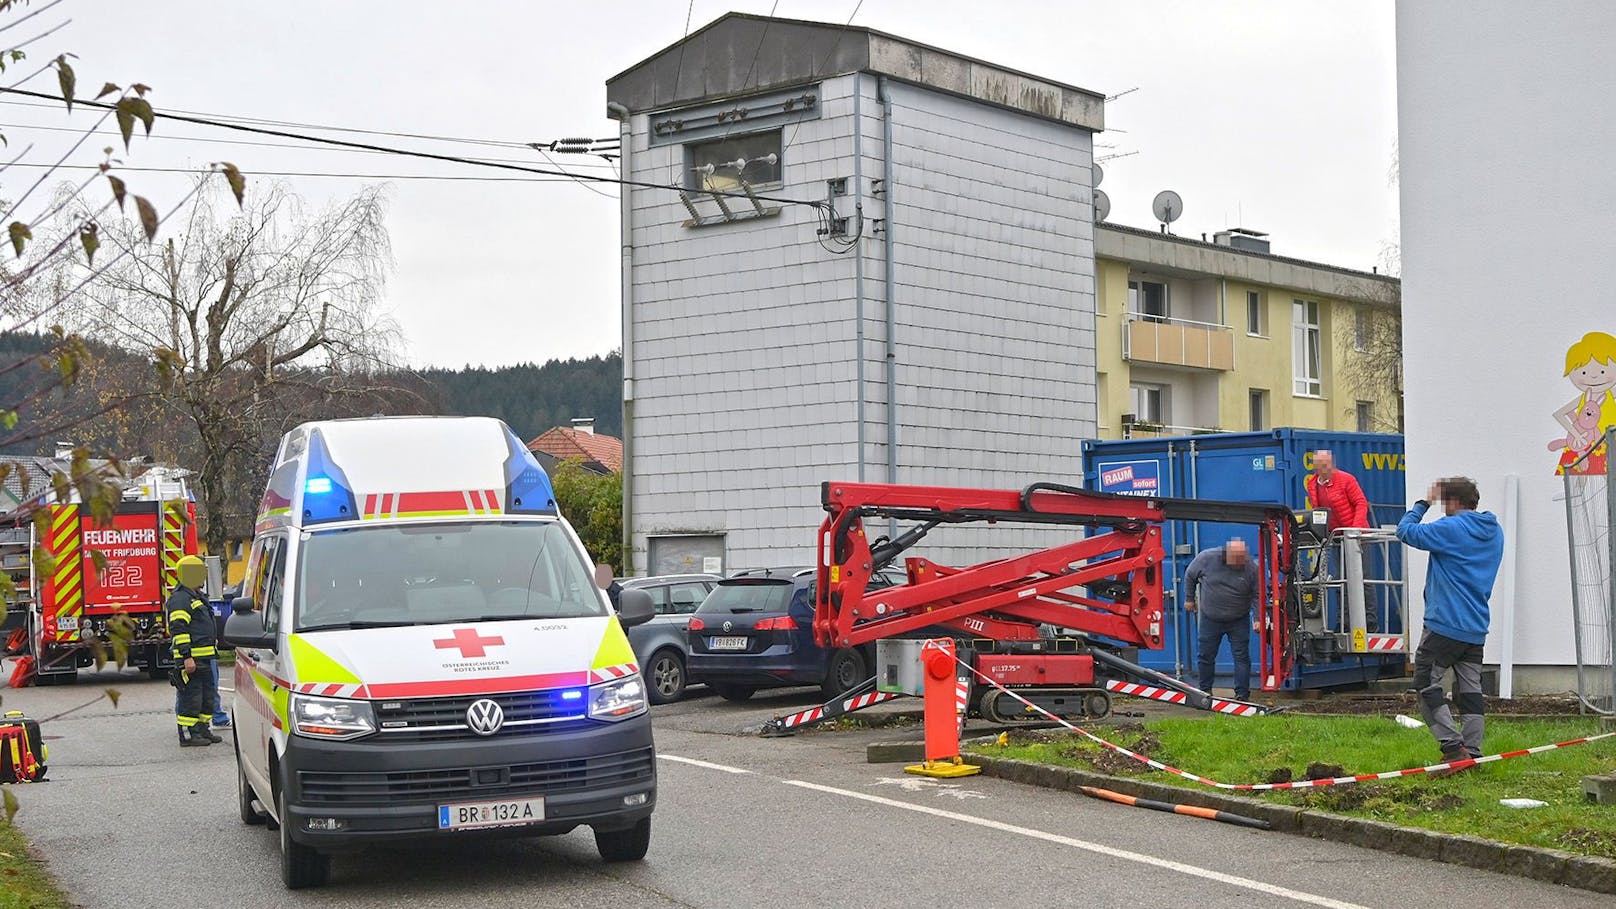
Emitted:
<point x="1338" y="492"/>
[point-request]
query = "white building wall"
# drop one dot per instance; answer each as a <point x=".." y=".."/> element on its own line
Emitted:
<point x="744" y="335"/>
<point x="1507" y="222"/>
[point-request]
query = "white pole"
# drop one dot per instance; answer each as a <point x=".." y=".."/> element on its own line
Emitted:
<point x="1506" y="588"/>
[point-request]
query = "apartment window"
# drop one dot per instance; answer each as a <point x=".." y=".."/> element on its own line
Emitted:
<point x="1360" y="330"/>
<point x="1256" y="314"/>
<point x="1148" y="403"/>
<point x="1306" y="367"/>
<point x="1148" y="300"/>
<point x="1365" y="413"/>
<point x="1259" y="409"/>
<point x="754" y="156"/>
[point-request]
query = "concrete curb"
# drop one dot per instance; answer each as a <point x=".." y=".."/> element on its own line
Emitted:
<point x="1548" y="865"/>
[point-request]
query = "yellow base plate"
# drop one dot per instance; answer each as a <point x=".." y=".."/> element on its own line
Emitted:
<point x="942" y="769"/>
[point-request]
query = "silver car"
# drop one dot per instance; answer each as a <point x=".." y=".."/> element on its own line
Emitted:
<point x="659" y="645"/>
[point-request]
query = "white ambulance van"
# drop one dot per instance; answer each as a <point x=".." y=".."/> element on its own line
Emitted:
<point x="422" y="651"/>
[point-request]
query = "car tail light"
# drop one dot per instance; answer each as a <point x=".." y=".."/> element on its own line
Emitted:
<point x="782" y="623"/>
<point x="696" y="624"/>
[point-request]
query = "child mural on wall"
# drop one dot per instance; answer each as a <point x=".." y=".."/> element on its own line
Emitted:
<point x="1591" y="367"/>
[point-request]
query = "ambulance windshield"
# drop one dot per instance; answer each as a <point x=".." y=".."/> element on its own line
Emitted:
<point x="427" y="574"/>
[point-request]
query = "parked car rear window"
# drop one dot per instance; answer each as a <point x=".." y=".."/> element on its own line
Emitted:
<point x="760" y="595"/>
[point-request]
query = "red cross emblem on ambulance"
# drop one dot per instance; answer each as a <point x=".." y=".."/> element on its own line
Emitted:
<point x="469" y="643"/>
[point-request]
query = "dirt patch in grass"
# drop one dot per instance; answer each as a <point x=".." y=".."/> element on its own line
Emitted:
<point x="1582" y="839"/>
<point x="1408" y="703"/>
<point x="1318" y="771"/>
<point x="1140" y="741"/>
<point x="1377" y="800"/>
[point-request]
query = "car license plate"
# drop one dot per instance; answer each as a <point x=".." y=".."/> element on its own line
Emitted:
<point x="734" y="643"/>
<point x="67" y="623"/>
<point x="507" y="813"/>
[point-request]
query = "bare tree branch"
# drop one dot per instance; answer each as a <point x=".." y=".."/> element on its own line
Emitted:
<point x="267" y="317"/>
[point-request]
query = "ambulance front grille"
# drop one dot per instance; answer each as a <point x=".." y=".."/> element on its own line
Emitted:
<point x="442" y="719"/>
<point x="549" y="777"/>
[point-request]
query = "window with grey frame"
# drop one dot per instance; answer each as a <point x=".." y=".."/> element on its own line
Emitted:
<point x="1306" y="354"/>
<point x="721" y="164"/>
<point x="1259" y="409"/>
<point x="1148" y="300"/>
<point x="1365" y="412"/>
<point x="1256" y="317"/>
<point x="1149" y="403"/>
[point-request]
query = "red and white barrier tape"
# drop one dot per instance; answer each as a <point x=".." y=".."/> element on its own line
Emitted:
<point x="848" y="706"/>
<point x="962" y="701"/>
<point x="1173" y="696"/>
<point x="1294" y="784"/>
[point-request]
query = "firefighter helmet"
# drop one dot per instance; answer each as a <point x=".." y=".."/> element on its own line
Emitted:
<point x="193" y="573"/>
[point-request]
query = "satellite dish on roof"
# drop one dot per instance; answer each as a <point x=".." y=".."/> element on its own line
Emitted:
<point x="1102" y="205"/>
<point x="1099" y="174"/>
<point x="1167" y="207"/>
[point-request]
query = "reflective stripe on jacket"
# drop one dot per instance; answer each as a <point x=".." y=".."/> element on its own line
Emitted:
<point x="191" y="627"/>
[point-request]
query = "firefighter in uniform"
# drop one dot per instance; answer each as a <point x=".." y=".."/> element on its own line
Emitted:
<point x="191" y="629"/>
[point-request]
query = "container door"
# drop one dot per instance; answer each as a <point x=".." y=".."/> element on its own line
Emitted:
<point x="1145" y="473"/>
<point x="1244" y="474"/>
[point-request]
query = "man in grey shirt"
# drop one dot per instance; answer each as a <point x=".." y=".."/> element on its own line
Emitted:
<point x="1223" y="587"/>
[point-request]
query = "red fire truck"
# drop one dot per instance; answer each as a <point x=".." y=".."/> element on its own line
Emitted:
<point x="81" y="582"/>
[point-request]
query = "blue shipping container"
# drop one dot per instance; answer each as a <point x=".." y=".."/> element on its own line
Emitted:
<point x="1250" y="467"/>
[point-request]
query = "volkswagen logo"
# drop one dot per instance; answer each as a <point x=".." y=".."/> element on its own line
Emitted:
<point x="728" y="625"/>
<point x="485" y="717"/>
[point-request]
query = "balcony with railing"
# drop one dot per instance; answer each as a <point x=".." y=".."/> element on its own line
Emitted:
<point x="1177" y="342"/>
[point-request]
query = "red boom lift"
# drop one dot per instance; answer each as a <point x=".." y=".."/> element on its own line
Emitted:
<point x="1057" y="624"/>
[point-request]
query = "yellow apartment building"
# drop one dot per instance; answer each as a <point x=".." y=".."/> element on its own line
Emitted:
<point x="1221" y="335"/>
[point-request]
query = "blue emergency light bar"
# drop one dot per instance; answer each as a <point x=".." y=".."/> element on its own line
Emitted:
<point x="326" y="493"/>
<point x="527" y="486"/>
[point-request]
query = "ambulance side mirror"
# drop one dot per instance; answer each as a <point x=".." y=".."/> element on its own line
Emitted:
<point x="245" y="629"/>
<point x="634" y="607"/>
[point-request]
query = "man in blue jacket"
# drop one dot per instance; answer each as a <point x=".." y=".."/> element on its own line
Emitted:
<point x="1466" y="547"/>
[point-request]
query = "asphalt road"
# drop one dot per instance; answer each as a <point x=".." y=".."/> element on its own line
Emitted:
<point x="128" y="819"/>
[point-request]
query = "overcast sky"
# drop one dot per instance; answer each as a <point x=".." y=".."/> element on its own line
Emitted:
<point x="1277" y="115"/>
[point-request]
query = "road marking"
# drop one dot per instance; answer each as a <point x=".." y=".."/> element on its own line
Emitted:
<point x="921" y="784"/>
<point x="695" y="763"/>
<point x="1151" y="860"/>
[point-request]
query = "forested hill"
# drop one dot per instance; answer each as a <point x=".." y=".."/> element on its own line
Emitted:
<point x="533" y="398"/>
<point x="530" y="397"/>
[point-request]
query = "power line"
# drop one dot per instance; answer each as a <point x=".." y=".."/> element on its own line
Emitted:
<point x="679" y="71"/>
<point x="304" y="173"/>
<point x="249" y="142"/>
<point x="826" y="62"/>
<point x="762" y="38"/>
<point x="21" y="19"/>
<point x="232" y="118"/>
<point x="428" y="156"/>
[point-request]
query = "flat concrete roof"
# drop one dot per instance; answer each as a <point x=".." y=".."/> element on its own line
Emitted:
<point x="1180" y="254"/>
<point x="740" y="53"/>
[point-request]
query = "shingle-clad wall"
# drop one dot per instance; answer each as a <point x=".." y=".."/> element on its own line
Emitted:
<point x="744" y="346"/>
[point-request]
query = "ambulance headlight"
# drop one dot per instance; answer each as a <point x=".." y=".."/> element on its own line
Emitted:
<point x="618" y="699"/>
<point x="331" y="718"/>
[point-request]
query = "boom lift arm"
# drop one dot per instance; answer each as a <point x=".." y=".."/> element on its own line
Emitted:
<point x="1107" y="586"/>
